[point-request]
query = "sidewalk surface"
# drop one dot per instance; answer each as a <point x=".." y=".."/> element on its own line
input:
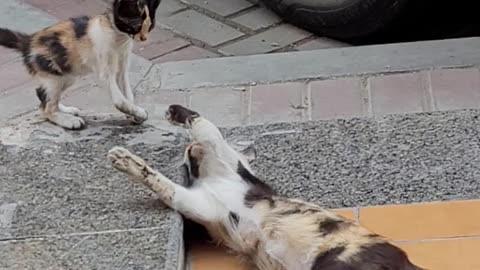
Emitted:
<point x="387" y="135"/>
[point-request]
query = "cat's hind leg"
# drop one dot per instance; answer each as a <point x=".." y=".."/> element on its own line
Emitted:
<point x="49" y="94"/>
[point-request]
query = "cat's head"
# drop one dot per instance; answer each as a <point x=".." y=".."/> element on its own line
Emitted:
<point x="135" y="17"/>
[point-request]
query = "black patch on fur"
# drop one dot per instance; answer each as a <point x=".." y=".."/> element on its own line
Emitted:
<point x="58" y="56"/>
<point x="188" y="178"/>
<point x="181" y="114"/>
<point x="42" y="96"/>
<point x="12" y="39"/>
<point x="80" y="26"/>
<point x="329" y="261"/>
<point x="377" y="256"/>
<point x="259" y="191"/>
<point x="234" y="218"/>
<point x="194" y="166"/>
<point x="127" y="15"/>
<point x="27" y="59"/>
<point x="46" y="65"/>
<point x="329" y="226"/>
<point x="20" y="42"/>
<point x="383" y="256"/>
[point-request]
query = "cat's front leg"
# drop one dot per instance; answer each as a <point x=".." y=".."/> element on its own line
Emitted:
<point x="121" y="102"/>
<point x="123" y="79"/>
<point x="192" y="203"/>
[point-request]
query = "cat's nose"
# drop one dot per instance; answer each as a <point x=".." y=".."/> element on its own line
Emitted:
<point x="143" y="37"/>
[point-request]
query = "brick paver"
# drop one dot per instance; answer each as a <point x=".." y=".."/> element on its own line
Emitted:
<point x="400" y="93"/>
<point x="231" y="113"/>
<point x="169" y="7"/>
<point x="201" y="27"/>
<point x="270" y="40"/>
<point x="340" y="98"/>
<point x="456" y="89"/>
<point x="274" y="102"/>
<point x="222" y="7"/>
<point x="320" y="43"/>
<point x="258" y="19"/>
<point x="187" y="53"/>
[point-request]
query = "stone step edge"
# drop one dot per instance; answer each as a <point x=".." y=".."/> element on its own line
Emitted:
<point x="319" y="64"/>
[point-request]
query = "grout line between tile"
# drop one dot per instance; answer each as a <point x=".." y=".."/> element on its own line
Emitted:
<point x="248" y="115"/>
<point x="365" y="86"/>
<point x="428" y="240"/>
<point x="430" y="98"/>
<point x="419" y="203"/>
<point x="356" y="213"/>
<point x="309" y="101"/>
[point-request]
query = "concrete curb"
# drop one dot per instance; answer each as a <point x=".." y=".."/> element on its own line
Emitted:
<point x="321" y="64"/>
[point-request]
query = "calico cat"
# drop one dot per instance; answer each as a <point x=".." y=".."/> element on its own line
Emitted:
<point x="269" y="231"/>
<point x="59" y="54"/>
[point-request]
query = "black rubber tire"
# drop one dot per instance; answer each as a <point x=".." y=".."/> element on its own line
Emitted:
<point x="351" y="19"/>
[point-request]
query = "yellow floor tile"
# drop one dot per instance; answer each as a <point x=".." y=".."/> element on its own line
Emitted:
<point x="445" y="254"/>
<point x="422" y="221"/>
<point x="209" y="257"/>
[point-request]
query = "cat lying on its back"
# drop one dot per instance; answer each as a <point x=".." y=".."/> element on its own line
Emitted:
<point x="269" y="231"/>
<point x="59" y="54"/>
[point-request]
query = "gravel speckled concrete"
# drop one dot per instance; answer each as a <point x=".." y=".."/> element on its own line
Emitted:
<point x="63" y="206"/>
<point x="395" y="159"/>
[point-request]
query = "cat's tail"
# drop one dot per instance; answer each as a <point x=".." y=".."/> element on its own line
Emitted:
<point x="13" y="40"/>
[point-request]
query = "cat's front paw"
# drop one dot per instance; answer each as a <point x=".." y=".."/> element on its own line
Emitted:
<point x="179" y="115"/>
<point x="126" y="162"/>
<point x="140" y="116"/>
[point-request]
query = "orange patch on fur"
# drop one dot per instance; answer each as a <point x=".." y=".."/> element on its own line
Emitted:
<point x="147" y="23"/>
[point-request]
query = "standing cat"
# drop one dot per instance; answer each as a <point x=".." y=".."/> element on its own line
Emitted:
<point x="59" y="54"/>
<point x="268" y="231"/>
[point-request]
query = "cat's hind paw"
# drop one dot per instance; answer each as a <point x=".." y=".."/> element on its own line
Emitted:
<point x="67" y="121"/>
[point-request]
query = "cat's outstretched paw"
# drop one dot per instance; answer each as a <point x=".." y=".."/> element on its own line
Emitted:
<point x="140" y="116"/>
<point x="179" y="115"/>
<point x="67" y="121"/>
<point x="69" y="110"/>
<point x="126" y="162"/>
